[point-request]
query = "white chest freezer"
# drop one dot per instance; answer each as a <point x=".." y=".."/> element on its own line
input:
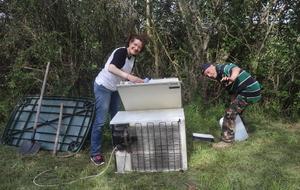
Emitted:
<point x="150" y="135"/>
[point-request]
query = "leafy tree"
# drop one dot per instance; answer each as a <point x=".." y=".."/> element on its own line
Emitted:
<point x="260" y="36"/>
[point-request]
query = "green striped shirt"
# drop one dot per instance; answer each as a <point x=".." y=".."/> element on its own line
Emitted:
<point x="245" y="86"/>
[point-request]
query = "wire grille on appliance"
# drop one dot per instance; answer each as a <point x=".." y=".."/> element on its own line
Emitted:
<point x="156" y="147"/>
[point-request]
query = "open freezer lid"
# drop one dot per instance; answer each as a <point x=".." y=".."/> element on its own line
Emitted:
<point x="156" y="94"/>
<point x="77" y="118"/>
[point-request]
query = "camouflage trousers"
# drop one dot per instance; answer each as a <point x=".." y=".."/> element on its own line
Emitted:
<point x="235" y="108"/>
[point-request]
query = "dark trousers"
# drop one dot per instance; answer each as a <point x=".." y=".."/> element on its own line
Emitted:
<point x="236" y="107"/>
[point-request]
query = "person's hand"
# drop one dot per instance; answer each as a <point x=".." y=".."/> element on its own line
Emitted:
<point x="227" y="81"/>
<point x="135" y="79"/>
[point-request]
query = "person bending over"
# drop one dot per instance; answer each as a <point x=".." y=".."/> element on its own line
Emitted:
<point x="243" y="89"/>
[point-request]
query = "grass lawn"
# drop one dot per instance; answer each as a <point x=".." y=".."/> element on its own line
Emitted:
<point x="269" y="159"/>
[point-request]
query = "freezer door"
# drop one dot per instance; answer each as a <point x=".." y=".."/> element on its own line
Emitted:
<point x="162" y="94"/>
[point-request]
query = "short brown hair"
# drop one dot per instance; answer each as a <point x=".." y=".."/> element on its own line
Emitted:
<point x="142" y="37"/>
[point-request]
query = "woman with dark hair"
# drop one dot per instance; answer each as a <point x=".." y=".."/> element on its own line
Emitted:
<point x="107" y="100"/>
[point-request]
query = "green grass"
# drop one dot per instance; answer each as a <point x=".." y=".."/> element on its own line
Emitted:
<point x="269" y="159"/>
